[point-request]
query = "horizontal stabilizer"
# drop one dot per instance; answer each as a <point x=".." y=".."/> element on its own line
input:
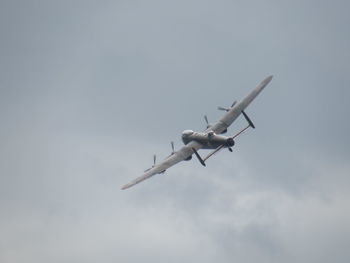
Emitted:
<point x="198" y="157"/>
<point x="248" y="120"/>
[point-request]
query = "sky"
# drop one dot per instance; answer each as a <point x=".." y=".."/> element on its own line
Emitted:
<point x="90" y="90"/>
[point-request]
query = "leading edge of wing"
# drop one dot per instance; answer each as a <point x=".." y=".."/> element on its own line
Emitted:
<point x="255" y="92"/>
<point x="176" y="157"/>
<point x="227" y="119"/>
<point x="160" y="168"/>
<point x="145" y="176"/>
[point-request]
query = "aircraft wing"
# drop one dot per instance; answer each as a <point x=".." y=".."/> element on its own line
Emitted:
<point x="225" y="121"/>
<point x="222" y="124"/>
<point x="171" y="160"/>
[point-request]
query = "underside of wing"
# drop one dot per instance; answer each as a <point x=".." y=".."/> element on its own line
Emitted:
<point x="171" y="160"/>
<point x="235" y="111"/>
<point x="145" y="176"/>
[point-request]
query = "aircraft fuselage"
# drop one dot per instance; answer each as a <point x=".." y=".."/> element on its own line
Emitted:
<point x="209" y="140"/>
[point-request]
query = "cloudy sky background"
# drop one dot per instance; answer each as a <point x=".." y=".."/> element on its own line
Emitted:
<point x="90" y="90"/>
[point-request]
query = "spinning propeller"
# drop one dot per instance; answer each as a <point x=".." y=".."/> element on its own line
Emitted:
<point x="172" y="147"/>
<point x="227" y="109"/>
<point x="206" y="120"/>
<point x="154" y="163"/>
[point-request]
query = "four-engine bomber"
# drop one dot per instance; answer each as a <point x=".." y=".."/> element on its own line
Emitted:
<point x="211" y="138"/>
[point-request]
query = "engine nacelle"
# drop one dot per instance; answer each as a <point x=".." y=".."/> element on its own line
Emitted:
<point x="188" y="158"/>
<point x="230" y="142"/>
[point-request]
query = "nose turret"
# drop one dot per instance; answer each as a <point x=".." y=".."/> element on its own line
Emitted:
<point x="187" y="133"/>
<point x="185" y="136"/>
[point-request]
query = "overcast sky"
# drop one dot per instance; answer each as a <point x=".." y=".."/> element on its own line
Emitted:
<point x="90" y="90"/>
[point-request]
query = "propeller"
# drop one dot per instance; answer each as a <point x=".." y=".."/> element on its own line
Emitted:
<point x="223" y="109"/>
<point x="172" y="147"/>
<point x="206" y="120"/>
<point x="154" y="163"/>
<point x="227" y="109"/>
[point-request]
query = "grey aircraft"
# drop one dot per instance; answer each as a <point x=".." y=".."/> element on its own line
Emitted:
<point x="211" y="138"/>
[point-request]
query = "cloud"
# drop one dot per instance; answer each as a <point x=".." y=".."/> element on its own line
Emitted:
<point x="90" y="91"/>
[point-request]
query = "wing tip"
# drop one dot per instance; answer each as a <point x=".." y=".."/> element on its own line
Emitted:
<point x="267" y="80"/>
<point x="126" y="186"/>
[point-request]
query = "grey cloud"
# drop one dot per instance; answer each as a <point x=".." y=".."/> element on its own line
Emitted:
<point x="90" y="90"/>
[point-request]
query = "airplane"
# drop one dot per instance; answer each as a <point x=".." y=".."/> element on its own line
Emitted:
<point x="211" y="138"/>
